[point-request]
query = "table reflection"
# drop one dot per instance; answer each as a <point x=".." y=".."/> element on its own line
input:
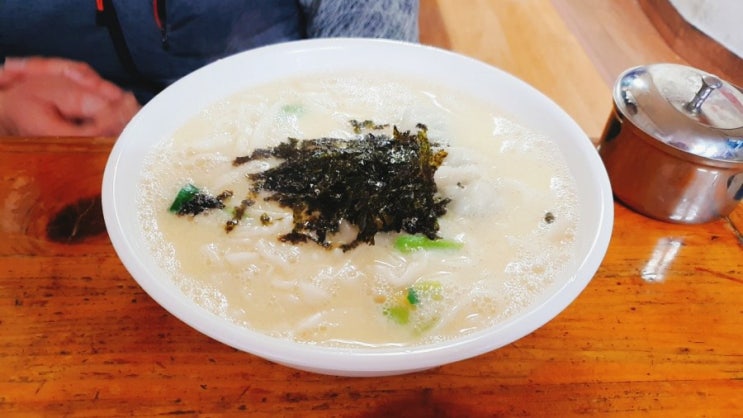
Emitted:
<point x="664" y="254"/>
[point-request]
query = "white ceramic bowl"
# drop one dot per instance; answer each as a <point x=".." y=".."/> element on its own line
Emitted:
<point x="178" y="103"/>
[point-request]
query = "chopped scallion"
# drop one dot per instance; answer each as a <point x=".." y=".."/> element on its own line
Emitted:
<point x="413" y="297"/>
<point x="410" y="243"/>
<point x="184" y="195"/>
<point x="294" y="109"/>
<point x="399" y="314"/>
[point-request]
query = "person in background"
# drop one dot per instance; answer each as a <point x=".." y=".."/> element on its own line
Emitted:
<point x="85" y="67"/>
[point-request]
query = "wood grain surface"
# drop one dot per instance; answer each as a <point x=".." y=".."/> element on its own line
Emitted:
<point x="657" y="332"/>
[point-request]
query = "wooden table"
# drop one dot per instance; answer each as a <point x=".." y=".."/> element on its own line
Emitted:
<point x="658" y="330"/>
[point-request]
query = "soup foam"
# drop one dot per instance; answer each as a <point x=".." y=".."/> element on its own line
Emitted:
<point x="502" y="179"/>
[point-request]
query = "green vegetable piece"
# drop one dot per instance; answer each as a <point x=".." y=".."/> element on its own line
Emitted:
<point x="410" y="243"/>
<point x="293" y="109"/>
<point x="399" y="314"/>
<point x="184" y="195"/>
<point x="413" y="297"/>
<point x="405" y="309"/>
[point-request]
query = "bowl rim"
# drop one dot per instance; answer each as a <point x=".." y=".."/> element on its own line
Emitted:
<point x="354" y="361"/>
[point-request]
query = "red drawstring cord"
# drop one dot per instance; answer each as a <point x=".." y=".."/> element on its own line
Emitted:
<point x="156" y="12"/>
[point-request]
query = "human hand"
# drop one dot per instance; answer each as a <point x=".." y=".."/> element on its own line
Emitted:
<point x="58" y="97"/>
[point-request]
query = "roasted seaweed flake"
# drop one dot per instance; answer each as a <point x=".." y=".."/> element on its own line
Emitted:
<point x="192" y="201"/>
<point x="238" y="212"/>
<point x="549" y="217"/>
<point x="359" y="126"/>
<point x="377" y="183"/>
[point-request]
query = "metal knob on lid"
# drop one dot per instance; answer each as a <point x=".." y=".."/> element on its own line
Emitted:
<point x="709" y="83"/>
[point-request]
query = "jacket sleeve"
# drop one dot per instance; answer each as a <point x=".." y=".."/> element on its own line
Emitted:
<point x="392" y="19"/>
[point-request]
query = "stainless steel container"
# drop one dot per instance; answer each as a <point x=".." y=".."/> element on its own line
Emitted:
<point x="673" y="144"/>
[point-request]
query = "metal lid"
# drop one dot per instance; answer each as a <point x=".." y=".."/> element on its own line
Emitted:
<point x="684" y="107"/>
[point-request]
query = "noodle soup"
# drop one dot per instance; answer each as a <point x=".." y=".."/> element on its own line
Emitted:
<point x="511" y="215"/>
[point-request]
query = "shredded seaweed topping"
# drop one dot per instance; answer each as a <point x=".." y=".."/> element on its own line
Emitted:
<point x="359" y="126"/>
<point x="377" y="183"/>
<point x="238" y="212"/>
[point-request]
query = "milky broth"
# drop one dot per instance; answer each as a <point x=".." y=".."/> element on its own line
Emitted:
<point x="502" y="180"/>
